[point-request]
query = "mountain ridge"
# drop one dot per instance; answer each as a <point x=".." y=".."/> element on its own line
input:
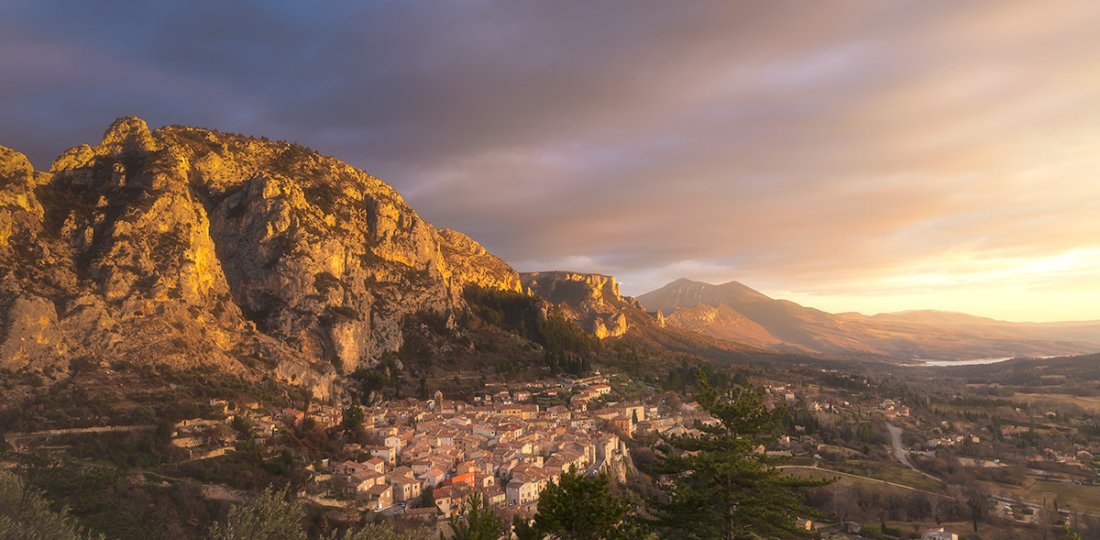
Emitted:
<point x="193" y="247"/>
<point x="905" y="335"/>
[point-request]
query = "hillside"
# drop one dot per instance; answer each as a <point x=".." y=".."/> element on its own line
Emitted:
<point x="737" y="313"/>
<point x="192" y="249"/>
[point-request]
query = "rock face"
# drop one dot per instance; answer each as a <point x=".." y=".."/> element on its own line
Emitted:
<point x="591" y="300"/>
<point x="470" y="264"/>
<point x="198" y="248"/>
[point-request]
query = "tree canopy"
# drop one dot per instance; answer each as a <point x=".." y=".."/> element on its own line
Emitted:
<point x="24" y="513"/>
<point x="477" y="522"/>
<point x="721" y="486"/>
<point x="579" y="508"/>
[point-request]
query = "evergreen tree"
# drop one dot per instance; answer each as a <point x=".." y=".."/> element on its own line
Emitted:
<point x="25" y="513"/>
<point x="353" y="417"/>
<point x="270" y="516"/>
<point x="722" y="487"/>
<point x="479" y="522"/>
<point x="579" y="508"/>
<point x="427" y="497"/>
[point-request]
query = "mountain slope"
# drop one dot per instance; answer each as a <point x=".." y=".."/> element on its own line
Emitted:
<point x="737" y="313"/>
<point x="198" y="249"/>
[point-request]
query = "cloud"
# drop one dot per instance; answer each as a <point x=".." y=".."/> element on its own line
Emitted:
<point x="796" y="147"/>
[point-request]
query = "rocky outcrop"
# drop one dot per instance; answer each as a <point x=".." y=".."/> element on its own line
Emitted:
<point x="591" y="300"/>
<point x="471" y="264"/>
<point x="198" y="248"/>
<point x="20" y="211"/>
<point x="30" y="336"/>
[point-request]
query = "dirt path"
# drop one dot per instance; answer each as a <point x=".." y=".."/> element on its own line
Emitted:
<point x="879" y="480"/>
<point x="14" y="438"/>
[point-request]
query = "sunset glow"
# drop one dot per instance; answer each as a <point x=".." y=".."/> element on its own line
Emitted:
<point x="860" y="156"/>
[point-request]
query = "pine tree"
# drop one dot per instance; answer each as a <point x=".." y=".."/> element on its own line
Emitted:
<point x="427" y="497"/>
<point x="25" y="513"/>
<point x="579" y="508"/>
<point x="353" y="417"/>
<point x="478" y="523"/>
<point x="722" y="488"/>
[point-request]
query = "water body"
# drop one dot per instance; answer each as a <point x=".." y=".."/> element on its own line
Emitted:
<point x="950" y="363"/>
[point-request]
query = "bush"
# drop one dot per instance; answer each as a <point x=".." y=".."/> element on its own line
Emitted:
<point x="24" y="513"/>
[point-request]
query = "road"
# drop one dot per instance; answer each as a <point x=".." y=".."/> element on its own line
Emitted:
<point x="901" y="453"/>
<point x="899" y="450"/>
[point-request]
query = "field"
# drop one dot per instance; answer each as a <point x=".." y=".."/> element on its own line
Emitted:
<point x="1072" y="496"/>
<point x="899" y="482"/>
<point x="1090" y="404"/>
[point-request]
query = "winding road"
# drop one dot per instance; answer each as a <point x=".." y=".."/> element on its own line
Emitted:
<point x="901" y="453"/>
<point x="899" y="450"/>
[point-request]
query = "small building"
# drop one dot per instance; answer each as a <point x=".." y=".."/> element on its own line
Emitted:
<point x="938" y="534"/>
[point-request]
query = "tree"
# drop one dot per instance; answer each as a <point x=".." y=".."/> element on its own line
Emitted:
<point x="25" y="513"/>
<point x="579" y="508"/>
<point x="479" y="522"/>
<point x="1068" y="533"/>
<point x="427" y="497"/>
<point x="271" y="516"/>
<point x="978" y="502"/>
<point x="524" y="530"/>
<point x="380" y="531"/>
<point x="721" y="487"/>
<point x="353" y="417"/>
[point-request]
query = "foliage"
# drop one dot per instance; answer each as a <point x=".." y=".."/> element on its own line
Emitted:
<point x="427" y="496"/>
<point x="478" y="522"/>
<point x="272" y="516"/>
<point x="579" y="508"/>
<point x="26" y="514"/>
<point x="1068" y="533"/>
<point x="522" y="314"/>
<point x="380" y="531"/>
<point x="722" y="488"/>
<point x="352" y="417"/>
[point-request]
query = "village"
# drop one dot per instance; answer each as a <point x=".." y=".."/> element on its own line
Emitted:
<point x="423" y="459"/>
<point x="420" y="460"/>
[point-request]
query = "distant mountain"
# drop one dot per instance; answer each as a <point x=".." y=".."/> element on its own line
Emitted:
<point x="735" y="312"/>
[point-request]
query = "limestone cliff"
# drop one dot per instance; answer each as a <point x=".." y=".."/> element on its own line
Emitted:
<point x="198" y="248"/>
<point x="471" y="264"/>
<point x="591" y="300"/>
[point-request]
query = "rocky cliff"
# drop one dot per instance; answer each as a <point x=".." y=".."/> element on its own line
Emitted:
<point x="197" y="248"/>
<point x="471" y="264"/>
<point x="591" y="300"/>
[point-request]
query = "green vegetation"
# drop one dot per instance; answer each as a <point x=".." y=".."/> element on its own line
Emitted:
<point x="26" y="514"/>
<point x="567" y="348"/>
<point x="578" y="508"/>
<point x="722" y="488"/>
<point x="352" y="417"/>
<point x="271" y="516"/>
<point x="478" y="522"/>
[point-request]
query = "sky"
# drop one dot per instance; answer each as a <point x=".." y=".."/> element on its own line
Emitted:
<point x="851" y="156"/>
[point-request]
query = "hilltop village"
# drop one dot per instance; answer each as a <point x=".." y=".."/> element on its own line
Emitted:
<point x="421" y="459"/>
